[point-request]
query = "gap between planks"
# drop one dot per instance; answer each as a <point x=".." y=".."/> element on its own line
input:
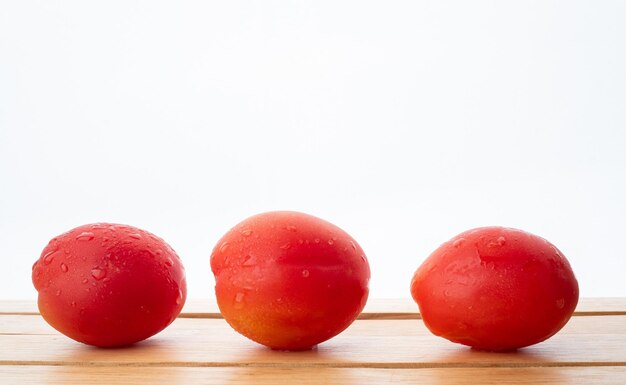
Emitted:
<point x="307" y="364"/>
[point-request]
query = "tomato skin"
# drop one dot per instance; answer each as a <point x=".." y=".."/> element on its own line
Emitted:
<point x="495" y="288"/>
<point x="108" y="284"/>
<point x="289" y="280"/>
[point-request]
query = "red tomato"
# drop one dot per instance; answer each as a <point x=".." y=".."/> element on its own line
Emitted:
<point x="495" y="288"/>
<point x="109" y="285"/>
<point x="289" y="280"/>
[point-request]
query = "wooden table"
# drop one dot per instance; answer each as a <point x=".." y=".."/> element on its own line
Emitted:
<point x="388" y="344"/>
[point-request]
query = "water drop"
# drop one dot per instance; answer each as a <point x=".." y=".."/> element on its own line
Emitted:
<point x="501" y="241"/>
<point x="58" y="293"/>
<point x="286" y="246"/>
<point x="64" y="267"/>
<point x="85" y="236"/>
<point x="458" y="243"/>
<point x="291" y="228"/>
<point x="169" y="262"/>
<point x="224" y="247"/>
<point x="248" y="260"/>
<point x="353" y="245"/>
<point x="98" y="273"/>
<point x="85" y="280"/>
<point x="363" y="258"/>
<point x="317" y="240"/>
<point x="246" y="233"/>
<point x="73" y="303"/>
<point x="239" y="300"/>
<point x="305" y="273"/>
<point x="179" y="299"/>
<point x="134" y="236"/>
<point x="47" y="259"/>
<point x="330" y="242"/>
<point x="560" y="303"/>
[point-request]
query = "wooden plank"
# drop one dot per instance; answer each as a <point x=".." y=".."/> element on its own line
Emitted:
<point x="376" y="308"/>
<point x="60" y="375"/>
<point x="36" y="325"/>
<point x="376" y="344"/>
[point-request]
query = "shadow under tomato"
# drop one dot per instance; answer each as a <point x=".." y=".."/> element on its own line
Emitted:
<point x="85" y="364"/>
<point x="465" y="356"/>
<point x="467" y="365"/>
<point x="141" y="353"/>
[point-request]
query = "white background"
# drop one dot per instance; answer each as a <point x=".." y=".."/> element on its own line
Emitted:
<point x="402" y="122"/>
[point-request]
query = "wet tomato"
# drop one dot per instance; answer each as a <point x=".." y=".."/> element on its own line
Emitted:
<point x="495" y="288"/>
<point x="108" y="284"/>
<point x="289" y="280"/>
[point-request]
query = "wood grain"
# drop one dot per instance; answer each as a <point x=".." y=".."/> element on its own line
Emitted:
<point x="36" y="325"/>
<point x="59" y="375"/>
<point x="376" y="308"/>
<point x="371" y="344"/>
<point x="388" y="344"/>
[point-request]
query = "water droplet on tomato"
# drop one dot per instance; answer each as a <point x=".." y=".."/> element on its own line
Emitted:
<point x="134" y="236"/>
<point x="291" y="228"/>
<point x="64" y="267"/>
<point x="248" y="260"/>
<point x="501" y="241"/>
<point x="58" y="293"/>
<point x="85" y="280"/>
<point x="239" y="300"/>
<point x="286" y="246"/>
<point x="47" y="259"/>
<point x="169" y="262"/>
<point x="353" y="245"/>
<point x="560" y="303"/>
<point x="458" y="243"/>
<point x="85" y="236"/>
<point x="331" y="241"/>
<point x="73" y="303"/>
<point x="305" y="273"/>
<point x="224" y="247"/>
<point x="246" y="232"/>
<point x="363" y="258"/>
<point x="98" y="273"/>
<point x="317" y="240"/>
